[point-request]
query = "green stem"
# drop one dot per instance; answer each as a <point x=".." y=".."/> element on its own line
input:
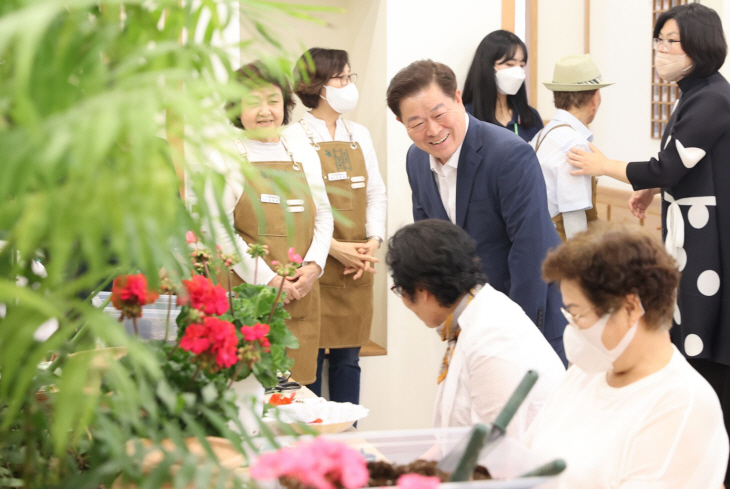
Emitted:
<point x="192" y="379"/>
<point x="134" y="323"/>
<point x="230" y="292"/>
<point x="29" y="449"/>
<point x="207" y="271"/>
<point x="235" y="375"/>
<point x="276" y="301"/>
<point x="167" y="321"/>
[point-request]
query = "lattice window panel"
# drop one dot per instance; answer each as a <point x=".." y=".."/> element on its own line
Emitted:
<point x="663" y="94"/>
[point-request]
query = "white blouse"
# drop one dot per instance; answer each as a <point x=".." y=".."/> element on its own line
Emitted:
<point x="377" y="201"/>
<point x="233" y="190"/>
<point x="664" y="431"/>
<point x="497" y="345"/>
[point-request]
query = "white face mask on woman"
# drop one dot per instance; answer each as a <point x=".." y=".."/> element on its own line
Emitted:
<point x="342" y="100"/>
<point x="671" y="67"/>
<point x="585" y="349"/>
<point x="509" y="80"/>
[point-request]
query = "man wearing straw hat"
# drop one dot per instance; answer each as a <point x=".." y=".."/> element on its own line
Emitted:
<point x="571" y="198"/>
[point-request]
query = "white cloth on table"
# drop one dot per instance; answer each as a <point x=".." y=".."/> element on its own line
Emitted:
<point x="664" y="431"/>
<point x="376" y="198"/>
<point x="497" y="345"/>
<point x="233" y="190"/>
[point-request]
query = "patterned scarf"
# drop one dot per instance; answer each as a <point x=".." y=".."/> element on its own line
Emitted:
<point x="450" y="332"/>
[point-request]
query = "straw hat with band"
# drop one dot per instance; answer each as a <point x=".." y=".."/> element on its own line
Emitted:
<point x="576" y="73"/>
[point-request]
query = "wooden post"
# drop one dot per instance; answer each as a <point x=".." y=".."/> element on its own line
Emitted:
<point x="508" y="15"/>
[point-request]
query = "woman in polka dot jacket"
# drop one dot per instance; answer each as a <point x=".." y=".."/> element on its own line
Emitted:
<point x="691" y="171"/>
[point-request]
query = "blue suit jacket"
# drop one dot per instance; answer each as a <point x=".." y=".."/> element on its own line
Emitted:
<point x="501" y="202"/>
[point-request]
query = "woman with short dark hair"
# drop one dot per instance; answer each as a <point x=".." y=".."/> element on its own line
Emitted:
<point x="691" y="170"/>
<point x="631" y="412"/>
<point x="273" y="195"/>
<point x="495" y="91"/>
<point x="491" y="343"/>
<point x="325" y="84"/>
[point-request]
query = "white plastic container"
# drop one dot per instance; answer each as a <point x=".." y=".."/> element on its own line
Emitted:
<point x="151" y="325"/>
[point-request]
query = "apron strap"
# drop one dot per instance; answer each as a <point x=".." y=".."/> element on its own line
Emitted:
<point x="294" y="165"/>
<point x="539" y="141"/>
<point x="309" y="133"/>
<point x="244" y="152"/>
<point x="353" y="145"/>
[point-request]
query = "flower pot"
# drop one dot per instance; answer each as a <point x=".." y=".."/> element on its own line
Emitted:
<point x="250" y="403"/>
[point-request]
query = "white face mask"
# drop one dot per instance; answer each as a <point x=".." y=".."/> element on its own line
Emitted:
<point x="509" y="80"/>
<point x="671" y="67"/>
<point x="585" y="349"/>
<point x="342" y="100"/>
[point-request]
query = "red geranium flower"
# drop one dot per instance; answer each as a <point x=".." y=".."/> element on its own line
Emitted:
<point x="257" y="332"/>
<point x="129" y="294"/>
<point x="195" y="339"/>
<point x="214" y="337"/>
<point x="204" y="296"/>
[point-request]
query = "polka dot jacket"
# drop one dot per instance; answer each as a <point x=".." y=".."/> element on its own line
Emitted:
<point x="693" y="171"/>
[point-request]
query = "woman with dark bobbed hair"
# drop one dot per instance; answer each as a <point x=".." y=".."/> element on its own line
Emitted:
<point x="261" y="210"/>
<point x="691" y="170"/>
<point x="631" y="412"/>
<point x="494" y="90"/>
<point x="325" y="84"/>
<point x="490" y="341"/>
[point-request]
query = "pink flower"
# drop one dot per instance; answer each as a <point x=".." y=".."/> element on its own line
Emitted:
<point x="203" y="295"/>
<point x="190" y="237"/>
<point x="274" y="262"/>
<point x="417" y="481"/>
<point x="318" y="463"/>
<point x="293" y="257"/>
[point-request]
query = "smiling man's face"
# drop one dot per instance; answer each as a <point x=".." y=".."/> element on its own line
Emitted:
<point x="435" y="121"/>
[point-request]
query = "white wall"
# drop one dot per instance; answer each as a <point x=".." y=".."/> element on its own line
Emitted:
<point x="560" y="33"/>
<point x="400" y="388"/>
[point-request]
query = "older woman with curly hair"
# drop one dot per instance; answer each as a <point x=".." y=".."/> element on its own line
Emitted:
<point x="630" y="412"/>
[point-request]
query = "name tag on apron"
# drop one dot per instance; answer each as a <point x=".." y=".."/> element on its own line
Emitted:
<point x="358" y="185"/>
<point x="358" y="179"/>
<point x="295" y="202"/>
<point x="340" y="175"/>
<point x="270" y="199"/>
<point x="296" y="209"/>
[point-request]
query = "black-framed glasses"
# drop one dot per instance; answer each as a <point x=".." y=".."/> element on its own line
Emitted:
<point x="665" y="43"/>
<point x="397" y="290"/>
<point x="346" y="79"/>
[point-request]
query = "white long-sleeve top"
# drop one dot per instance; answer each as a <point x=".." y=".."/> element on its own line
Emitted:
<point x="233" y="190"/>
<point x="376" y="199"/>
<point x="497" y="345"/>
<point x="664" y="431"/>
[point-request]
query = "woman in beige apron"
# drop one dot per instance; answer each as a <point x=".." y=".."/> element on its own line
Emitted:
<point x="357" y="194"/>
<point x="281" y="202"/>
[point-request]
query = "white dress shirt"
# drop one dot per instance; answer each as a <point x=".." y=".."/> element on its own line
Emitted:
<point x="376" y="199"/>
<point x="233" y="190"/>
<point x="446" y="177"/>
<point x="664" y="431"/>
<point x="497" y="345"/>
<point x="565" y="192"/>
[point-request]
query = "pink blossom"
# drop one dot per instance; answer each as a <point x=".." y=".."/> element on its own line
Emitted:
<point x="417" y="481"/>
<point x="293" y="256"/>
<point x="274" y="262"/>
<point x="318" y="463"/>
<point x="190" y="237"/>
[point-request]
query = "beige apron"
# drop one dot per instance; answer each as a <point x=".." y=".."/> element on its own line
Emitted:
<point x="347" y="304"/>
<point x="591" y="214"/>
<point x="277" y="210"/>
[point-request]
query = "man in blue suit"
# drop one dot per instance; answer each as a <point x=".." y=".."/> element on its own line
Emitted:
<point x="484" y="179"/>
